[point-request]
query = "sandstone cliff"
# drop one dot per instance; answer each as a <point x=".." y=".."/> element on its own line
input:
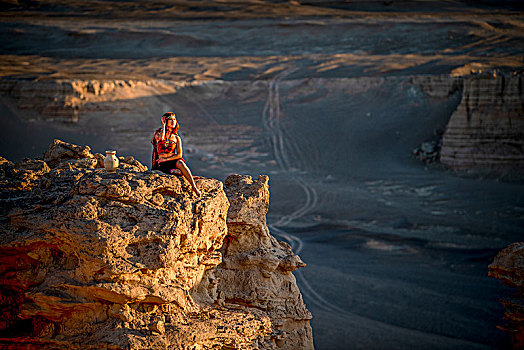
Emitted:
<point x="63" y="99"/>
<point x="486" y="132"/>
<point x="133" y="260"/>
<point x="256" y="268"/>
<point x="508" y="266"/>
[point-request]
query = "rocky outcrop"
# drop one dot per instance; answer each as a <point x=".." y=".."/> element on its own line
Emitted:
<point x="486" y="132"/>
<point x="92" y="259"/>
<point x="508" y="266"/>
<point x="256" y="268"/>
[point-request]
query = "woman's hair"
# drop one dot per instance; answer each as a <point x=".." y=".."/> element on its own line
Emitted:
<point x="165" y="117"/>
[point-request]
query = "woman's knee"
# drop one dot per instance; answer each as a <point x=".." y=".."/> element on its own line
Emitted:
<point x="180" y="164"/>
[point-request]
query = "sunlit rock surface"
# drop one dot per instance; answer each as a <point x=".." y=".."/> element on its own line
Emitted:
<point x="256" y="268"/>
<point x="508" y="266"/>
<point x="92" y="259"/>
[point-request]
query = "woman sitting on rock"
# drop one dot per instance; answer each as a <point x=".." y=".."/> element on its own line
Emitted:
<point x="167" y="150"/>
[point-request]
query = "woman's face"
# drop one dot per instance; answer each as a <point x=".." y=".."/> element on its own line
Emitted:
<point x="171" y="122"/>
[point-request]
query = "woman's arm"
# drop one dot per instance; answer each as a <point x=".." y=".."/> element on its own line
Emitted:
<point x="178" y="146"/>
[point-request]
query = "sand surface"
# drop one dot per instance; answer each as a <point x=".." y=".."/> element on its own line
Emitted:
<point x="321" y="98"/>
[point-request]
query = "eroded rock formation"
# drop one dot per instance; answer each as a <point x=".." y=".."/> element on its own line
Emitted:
<point x="508" y="266"/>
<point x="256" y="268"/>
<point x="486" y="132"/>
<point x="91" y="259"/>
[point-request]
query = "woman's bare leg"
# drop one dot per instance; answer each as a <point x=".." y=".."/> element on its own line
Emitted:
<point x="187" y="174"/>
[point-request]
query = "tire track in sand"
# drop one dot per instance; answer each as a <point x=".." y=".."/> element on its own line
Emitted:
<point x="281" y="147"/>
<point x="271" y="121"/>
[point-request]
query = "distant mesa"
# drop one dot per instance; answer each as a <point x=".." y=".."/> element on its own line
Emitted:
<point x="486" y="132"/>
<point x="487" y="129"/>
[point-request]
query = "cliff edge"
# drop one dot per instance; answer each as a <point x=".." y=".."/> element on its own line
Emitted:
<point x="133" y="260"/>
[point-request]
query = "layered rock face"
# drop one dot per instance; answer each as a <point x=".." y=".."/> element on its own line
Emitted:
<point x="508" y="266"/>
<point x="92" y="259"/>
<point x="486" y="132"/>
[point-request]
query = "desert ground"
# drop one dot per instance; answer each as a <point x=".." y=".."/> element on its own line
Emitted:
<point x="324" y="97"/>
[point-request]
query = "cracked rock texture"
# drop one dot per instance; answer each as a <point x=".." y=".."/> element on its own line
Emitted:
<point x="508" y="266"/>
<point x="128" y="260"/>
<point x="486" y="132"/>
